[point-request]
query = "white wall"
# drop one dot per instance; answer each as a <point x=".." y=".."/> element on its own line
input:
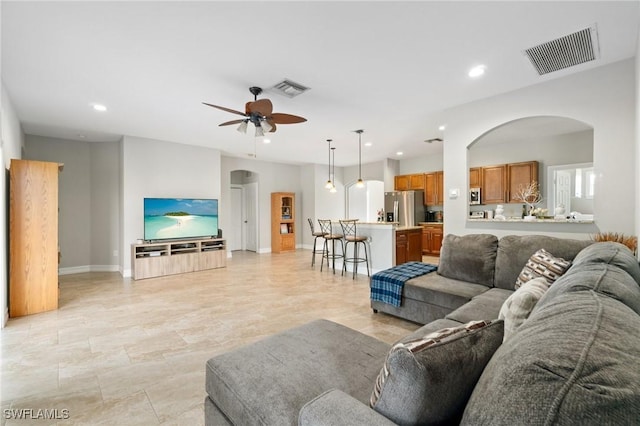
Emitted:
<point x="10" y="147"/>
<point x="603" y="98"/>
<point x="637" y="150"/>
<point x="272" y="177"/>
<point x="152" y="168"/>
<point x="422" y="164"/>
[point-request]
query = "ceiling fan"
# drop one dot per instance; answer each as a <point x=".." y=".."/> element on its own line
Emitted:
<point x="260" y="113"/>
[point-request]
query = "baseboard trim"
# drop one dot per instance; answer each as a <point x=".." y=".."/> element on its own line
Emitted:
<point x="88" y="268"/>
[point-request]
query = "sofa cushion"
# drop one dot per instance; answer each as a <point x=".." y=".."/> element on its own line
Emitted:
<point x="576" y="360"/>
<point x="469" y="258"/>
<point x="542" y="264"/>
<point x="428" y="380"/>
<point x="517" y="308"/>
<point x="610" y="253"/>
<point x="268" y="382"/>
<point x="485" y="306"/>
<point x="515" y="250"/>
<point x="441" y="291"/>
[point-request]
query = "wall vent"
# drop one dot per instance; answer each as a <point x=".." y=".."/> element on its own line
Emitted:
<point x="564" y="52"/>
<point x="289" y="88"/>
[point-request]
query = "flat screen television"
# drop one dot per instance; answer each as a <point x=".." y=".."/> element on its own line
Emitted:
<point x="180" y="218"/>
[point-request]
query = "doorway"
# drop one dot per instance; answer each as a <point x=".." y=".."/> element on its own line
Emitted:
<point x="244" y="231"/>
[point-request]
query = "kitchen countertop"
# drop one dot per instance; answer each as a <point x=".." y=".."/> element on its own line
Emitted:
<point x="408" y="228"/>
<point x="430" y="223"/>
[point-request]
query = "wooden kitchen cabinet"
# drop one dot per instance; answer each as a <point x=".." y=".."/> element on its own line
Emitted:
<point x="432" y="236"/>
<point x="519" y="175"/>
<point x="408" y="246"/>
<point x="475" y="177"/>
<point x="413" y="182"/>
<point x="434" y="189"/>
<point x="494" y="185"/>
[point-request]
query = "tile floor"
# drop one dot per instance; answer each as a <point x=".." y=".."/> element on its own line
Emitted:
<point x="124" y="352"/>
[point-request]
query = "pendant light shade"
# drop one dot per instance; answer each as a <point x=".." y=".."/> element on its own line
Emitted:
<point x="360" y="182"/>
<point x="329" y="184"/>
<point x="333" y="184"/>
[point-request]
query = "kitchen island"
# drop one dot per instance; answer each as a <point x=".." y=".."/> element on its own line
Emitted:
<point x="383" y="238"/>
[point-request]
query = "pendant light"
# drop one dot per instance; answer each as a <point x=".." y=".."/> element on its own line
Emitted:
<point x="333" y="154"/>
<point x="329" y="184"/>
<point x="360" y="182"/>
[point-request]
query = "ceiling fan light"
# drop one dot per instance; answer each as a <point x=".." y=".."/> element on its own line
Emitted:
<point x="264" y="124"/>
<point x="242" y="128"/>
<point x="259" y="131"/>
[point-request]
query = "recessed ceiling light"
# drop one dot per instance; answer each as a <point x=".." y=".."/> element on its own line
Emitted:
<point x="266" y="140"/>
<point x="368" y="143"/>
<point x="399" y="153"/>
<point x="99" y="107"/>
<point x="442" y="127"/>
<point x="477" y="71"/>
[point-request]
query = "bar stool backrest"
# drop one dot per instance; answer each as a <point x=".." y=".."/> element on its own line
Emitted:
<point x="325" y="226"/>
<point x="349" y="227"/>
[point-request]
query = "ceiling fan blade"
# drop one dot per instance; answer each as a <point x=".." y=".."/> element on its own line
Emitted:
<point x="280" y="118"/>
<point x="273" y="125"/>
<point x="229" y="123"/>
<point x="264" y="107"/>
<point x="233" y="111"/>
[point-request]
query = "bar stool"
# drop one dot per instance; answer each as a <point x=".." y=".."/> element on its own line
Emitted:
<point x="316" y="235"/>
<point x="350" y="232"/>
<point x="328" y="235"/>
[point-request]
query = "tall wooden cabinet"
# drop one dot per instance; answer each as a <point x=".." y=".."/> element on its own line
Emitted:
<point x="434" y="188"/>
<point x="283" y="222"/>
<point x="33" y="237"/>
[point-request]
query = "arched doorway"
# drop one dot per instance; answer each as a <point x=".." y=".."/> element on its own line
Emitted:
<point x="244" y="231"/>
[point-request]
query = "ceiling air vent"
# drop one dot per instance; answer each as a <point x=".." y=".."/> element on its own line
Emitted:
<point x="289" y="88"/>
<point x="565" y="52"/>
<point x="433" y="140"/>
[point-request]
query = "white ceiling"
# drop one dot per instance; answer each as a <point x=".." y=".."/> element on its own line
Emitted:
<point x="386" y="67"/>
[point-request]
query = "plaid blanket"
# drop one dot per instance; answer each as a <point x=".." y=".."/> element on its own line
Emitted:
<point x="386" y="286"/>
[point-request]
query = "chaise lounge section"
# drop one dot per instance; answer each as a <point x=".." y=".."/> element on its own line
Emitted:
<point x="574" y="360"/>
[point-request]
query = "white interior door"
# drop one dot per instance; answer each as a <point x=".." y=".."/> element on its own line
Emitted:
<point x="251" y="216"/>
<point x="234" y="237"/>
<point x="563" y="190"/>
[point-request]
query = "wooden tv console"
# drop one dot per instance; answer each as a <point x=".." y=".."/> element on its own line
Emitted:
<point x="156" y="259"/>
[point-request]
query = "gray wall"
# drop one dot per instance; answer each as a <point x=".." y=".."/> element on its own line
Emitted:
<point x="88" y="201"/>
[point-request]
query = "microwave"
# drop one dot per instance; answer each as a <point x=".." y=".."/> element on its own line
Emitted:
<point x="474" y="196"/>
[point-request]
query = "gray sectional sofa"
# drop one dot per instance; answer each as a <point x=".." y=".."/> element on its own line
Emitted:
<point x="574" y="360"/>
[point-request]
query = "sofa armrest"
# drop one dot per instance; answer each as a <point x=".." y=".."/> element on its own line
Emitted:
<point x="336" y="408"/>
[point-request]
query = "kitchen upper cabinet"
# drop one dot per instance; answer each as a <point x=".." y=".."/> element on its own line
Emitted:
<point x="519" y="175"/>
<point x="475" y="177"/>
<point x="494" y="185"/>
<point x="434" y="189"/>
<point x="412" y="182"/>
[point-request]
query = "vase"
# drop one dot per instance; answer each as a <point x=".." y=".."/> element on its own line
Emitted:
<point x="529" y="218"/>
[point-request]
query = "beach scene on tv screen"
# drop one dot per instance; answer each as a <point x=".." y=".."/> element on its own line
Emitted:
<point x="166" y="218"/>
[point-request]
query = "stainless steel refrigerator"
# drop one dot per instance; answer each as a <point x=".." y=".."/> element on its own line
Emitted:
<point x="405" y="207"/>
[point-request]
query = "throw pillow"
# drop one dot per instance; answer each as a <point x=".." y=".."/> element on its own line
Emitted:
<point x="429" y="380"/>
<point x="517" y="308"/>
<point x="542" y="264"/>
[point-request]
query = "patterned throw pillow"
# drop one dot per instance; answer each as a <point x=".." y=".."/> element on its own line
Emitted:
<point x="542" y="264"/>
<point x="429" y="380"/>
<point x="517" y="308"/>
